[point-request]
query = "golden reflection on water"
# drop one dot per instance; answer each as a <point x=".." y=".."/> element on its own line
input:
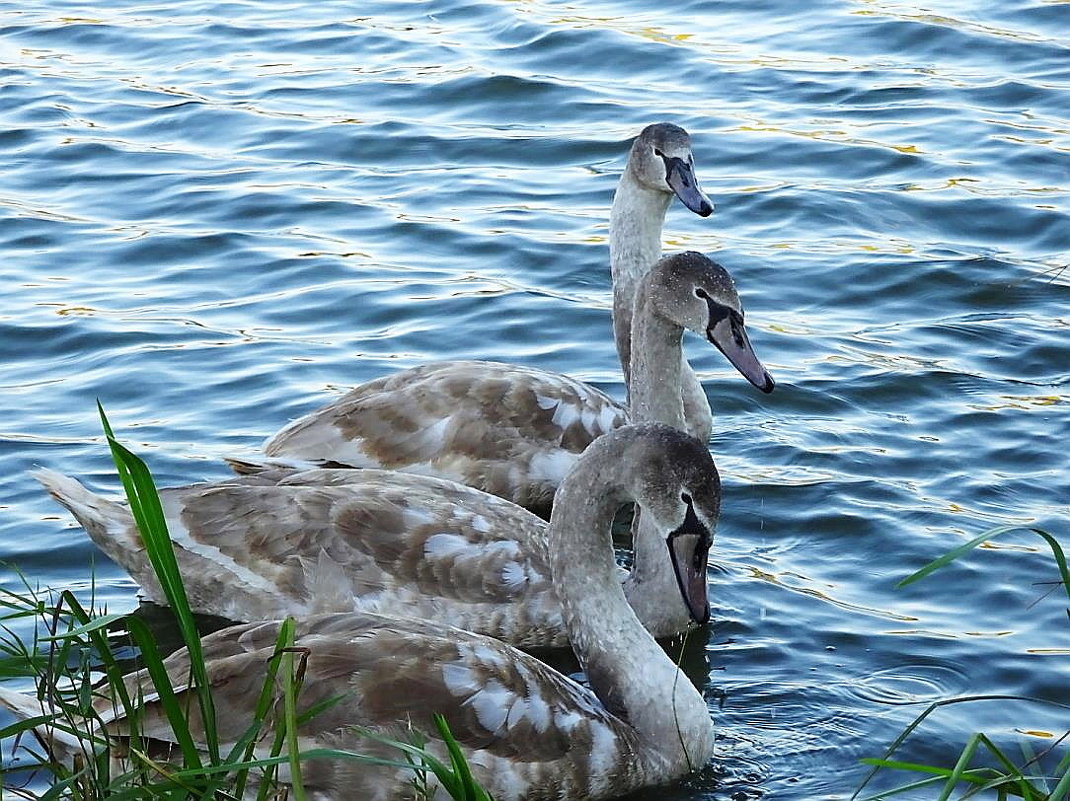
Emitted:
<point x="824" y="135"/>
<point x="1047" y="735"/>
<point x="1019" y="403"/>
<point x="907" y="14"/>
<point x="947" y="635"/>
<point x="779" y="580"/>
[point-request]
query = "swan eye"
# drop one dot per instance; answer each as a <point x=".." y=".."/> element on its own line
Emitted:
<point x="686" y="498"/>
<point x="657" y="152"/>
<point x="702" y="293"/>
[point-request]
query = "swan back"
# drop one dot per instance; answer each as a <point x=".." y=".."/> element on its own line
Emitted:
<point x="318" y="541"/>
<point x="527" y="730"/>
<point x="512" y="431"/>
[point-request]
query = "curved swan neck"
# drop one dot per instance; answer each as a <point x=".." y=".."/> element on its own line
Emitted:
<point x="635" y="224"/>
<point x="627" y="668"/>
<point x="654" y="391"/>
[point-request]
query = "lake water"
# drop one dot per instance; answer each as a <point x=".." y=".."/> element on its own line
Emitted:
<point x="215" y="216"/>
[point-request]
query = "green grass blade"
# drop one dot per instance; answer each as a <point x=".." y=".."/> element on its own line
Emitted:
<point x="169" y="702"/>
<point x="469" y="789"/>
<point x="886" y="761"/>
<point x="320" y="707"/>
<point x="1060" y="558"/>
<point x="145" y="505"/>
<point x="951" y="556"/>
<point x="913" y="767"/>
<point x="101" y="647"/>
<point x="1003" y="759"/>
<point x="1062" y="789"/>
<point x="291" y="688"/>
<point x="955" y="553"/>
<point x="243" y="749"/>
<point x="910" y="787"/>
<point x="961" y="765"/>
<point x="283" y="643"/>
<point x="94" y="624"/>
<point x="25" y="725"/>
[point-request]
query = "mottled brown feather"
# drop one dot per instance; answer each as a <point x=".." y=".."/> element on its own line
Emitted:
<point x="390" y="670"/>
<point x="481" y="423"/>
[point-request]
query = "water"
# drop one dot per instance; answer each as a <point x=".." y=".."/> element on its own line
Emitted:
<point x="215" y="216"/>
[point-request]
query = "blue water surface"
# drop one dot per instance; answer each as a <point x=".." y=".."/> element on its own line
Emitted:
<point x="216" y="216"/>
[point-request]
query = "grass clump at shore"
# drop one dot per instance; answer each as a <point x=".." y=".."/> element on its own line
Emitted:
<point x="1033" y="778"/>
<point x="78" y="657"/>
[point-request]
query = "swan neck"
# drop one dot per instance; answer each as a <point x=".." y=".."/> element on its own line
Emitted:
<point x="636" y="220"/>
<point x="623" y="661"/>
<point x="654" y="394"/>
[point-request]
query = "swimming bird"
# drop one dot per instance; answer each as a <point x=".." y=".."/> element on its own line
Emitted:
<point x="527" y="731"/>
<point x="282" y="543"/>
<point x="514" y="431"/>
<point x="660" y="160"/>
<point x="497" y="401"/>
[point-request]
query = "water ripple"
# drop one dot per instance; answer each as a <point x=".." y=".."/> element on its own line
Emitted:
<point x="216" y="216"/>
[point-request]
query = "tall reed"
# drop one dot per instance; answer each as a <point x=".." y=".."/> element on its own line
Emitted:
<point x="83" y="645"/>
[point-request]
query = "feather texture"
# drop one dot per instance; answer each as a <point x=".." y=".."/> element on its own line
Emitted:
<point x="529" y="733"/>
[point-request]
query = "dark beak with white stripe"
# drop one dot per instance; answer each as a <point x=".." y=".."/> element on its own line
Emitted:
<point x="726" y="331"/>
<point x="680" y="176"/>
<point x="689" y="550"/>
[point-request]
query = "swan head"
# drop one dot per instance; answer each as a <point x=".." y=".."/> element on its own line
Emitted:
<point x="661" y="160"/>
<point x="677" y="488"/>
<point x="699" y="294"/>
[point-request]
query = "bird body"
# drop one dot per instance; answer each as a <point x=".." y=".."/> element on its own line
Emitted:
<point x="528" y="732"/>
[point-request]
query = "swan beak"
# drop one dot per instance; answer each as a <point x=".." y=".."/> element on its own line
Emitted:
<point x="689" y="549"/>
<point x="730" y="337"/>
<point x="680" y="176"/>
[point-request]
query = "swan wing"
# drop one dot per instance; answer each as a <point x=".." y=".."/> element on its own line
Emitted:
<point x="513" y="431"/>
<point x="335" y="540"/>
<point x="521" y="723"/>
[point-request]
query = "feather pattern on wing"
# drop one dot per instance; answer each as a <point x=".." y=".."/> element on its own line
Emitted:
<point x="281" y="543"/>
<point x="528" y="731"/>
<point x="508" y="430"/>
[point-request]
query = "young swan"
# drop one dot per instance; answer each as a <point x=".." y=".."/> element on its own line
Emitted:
<point x="382" y="541"/>
<point x="509" y="430"/>
<point x="573" y="413"/>
<point x="284" y="543"/>
<point x="527" y="731"/>
<point x="660" y="164"/>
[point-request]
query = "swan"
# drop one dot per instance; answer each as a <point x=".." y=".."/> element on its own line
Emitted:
<point x="279" y="543"/>
<point x="489" y="402"/>
<point x="660" y="159"/>
<point x="528" y="731"/>
<point x="508" y="430"/>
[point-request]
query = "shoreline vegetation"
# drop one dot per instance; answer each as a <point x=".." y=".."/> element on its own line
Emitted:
<point x="1000" y="774"/>
<point x="75" y="647"/>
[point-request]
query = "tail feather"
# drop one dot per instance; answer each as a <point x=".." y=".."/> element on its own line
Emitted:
<point x="27" y="707"/>
<point x="108" y="523"/>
